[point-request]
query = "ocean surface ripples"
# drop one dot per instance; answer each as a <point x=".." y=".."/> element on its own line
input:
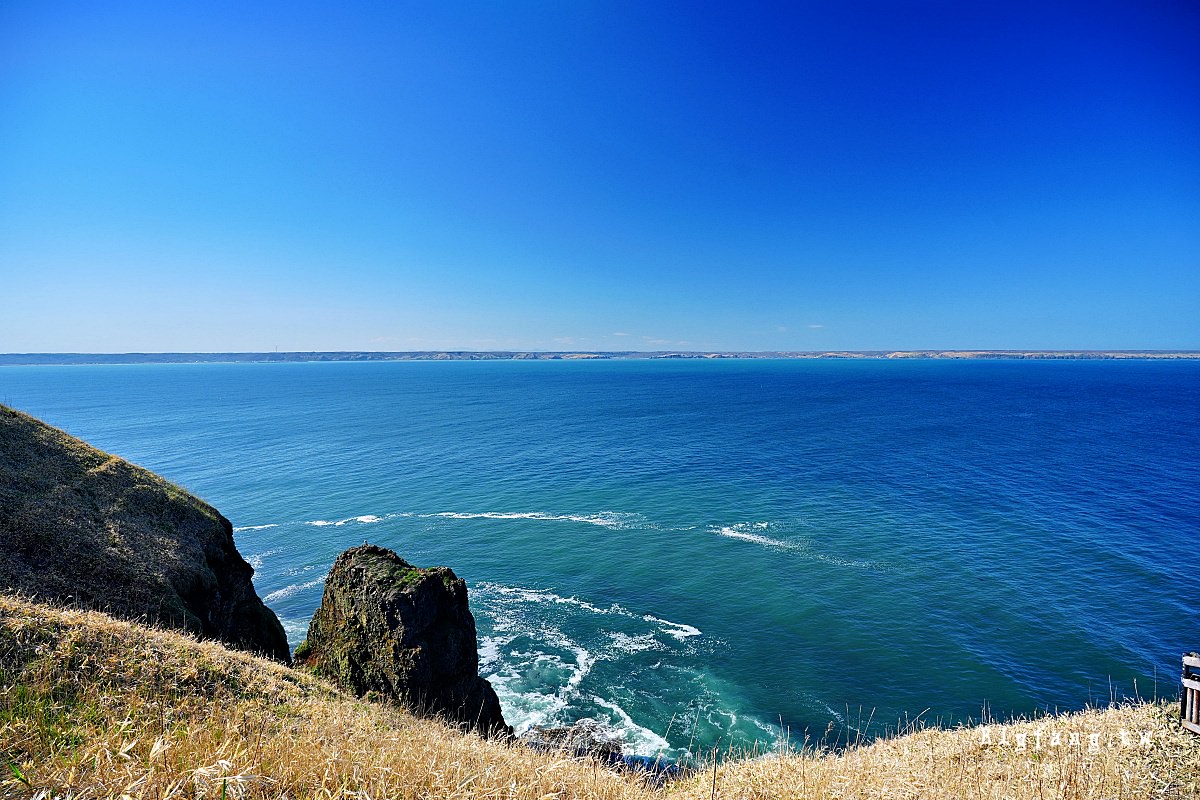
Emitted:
<point x="705" y="553"/>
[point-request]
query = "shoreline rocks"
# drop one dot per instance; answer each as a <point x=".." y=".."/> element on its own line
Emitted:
<point x="403" y="634"/>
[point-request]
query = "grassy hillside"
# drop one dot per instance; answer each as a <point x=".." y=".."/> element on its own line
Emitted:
<point x="87" y="529"/>
<point x="95" y="707"/>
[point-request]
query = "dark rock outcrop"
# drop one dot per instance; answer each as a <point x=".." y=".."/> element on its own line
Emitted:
<point x="83" y="528"/>
<point x="586" y="738"/>
<point x="405" y="634"/>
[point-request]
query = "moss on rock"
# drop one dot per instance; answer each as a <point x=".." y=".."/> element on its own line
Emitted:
<point x="388" y="628"/>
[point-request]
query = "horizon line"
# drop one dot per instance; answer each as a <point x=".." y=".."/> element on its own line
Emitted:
<point x="78" y="357"/>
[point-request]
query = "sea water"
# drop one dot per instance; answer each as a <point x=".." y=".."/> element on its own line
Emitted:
<point x="714" y="554"/>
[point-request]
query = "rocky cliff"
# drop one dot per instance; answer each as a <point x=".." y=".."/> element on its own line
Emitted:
<point x="391" y="630"/>
<point x="84" y="528"/>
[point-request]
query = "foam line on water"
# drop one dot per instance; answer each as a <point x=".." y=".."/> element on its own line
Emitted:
<point x="361" y="519"/>
<point x="642" y="741"/>
<point x="543" y="596"/>
<point x="677" y="630"/>
<point x="605" y="519"/>
<point x="288" y="591"/>
<point x="751" y="532"/>
<point x="255" y="527"/>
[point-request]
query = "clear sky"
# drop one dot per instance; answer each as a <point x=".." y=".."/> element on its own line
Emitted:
<point x="571" y="175"/>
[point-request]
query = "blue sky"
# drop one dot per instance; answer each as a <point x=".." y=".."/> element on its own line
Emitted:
<point x="599" y="175"/>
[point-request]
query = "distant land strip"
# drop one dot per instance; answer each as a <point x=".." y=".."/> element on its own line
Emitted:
<point x="48" y="359"/>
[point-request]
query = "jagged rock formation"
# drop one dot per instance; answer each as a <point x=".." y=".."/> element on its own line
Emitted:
<point x="84" y="528"/>
<point x="586" y="738"/>
<point x="404" y="634"/>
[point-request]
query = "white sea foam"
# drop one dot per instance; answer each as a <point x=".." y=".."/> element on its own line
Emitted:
<point x="288" y="591"/>
<point x="361" y="519"/>
<point x="832" y="712"/>
<point x="676" y="629"/>
<point x="744" y="532"/>
<point x="642" y="741"/>
<point x="255" y="527"/>
<point x="624" y="643"/>
<point x="542" y="596"/>
<point x="294" y="628"/>
<point x="547" y="679"/>
<point x="524" y="710"/>
<point x="753" y="537"/>
<point x="365" y="519"/>
<point x="489" y="649"/>
<point x="255" y="560"/>
<point x="583" y="665"/>
<point x="605" y="519"/>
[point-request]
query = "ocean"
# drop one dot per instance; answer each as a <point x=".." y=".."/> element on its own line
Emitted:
<point x="714" y="554"/>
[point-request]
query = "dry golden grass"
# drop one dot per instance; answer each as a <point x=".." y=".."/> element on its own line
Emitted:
<point x="1134" y="751"/>
<point x="91" y="707"/>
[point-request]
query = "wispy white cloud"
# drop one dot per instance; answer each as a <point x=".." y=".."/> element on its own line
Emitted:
<point x="814" y="326"/>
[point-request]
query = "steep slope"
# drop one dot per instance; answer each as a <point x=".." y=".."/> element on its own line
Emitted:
<point x="92" y="707"/>
<point x="84" y="528"/>
<point x="405" y="634"/>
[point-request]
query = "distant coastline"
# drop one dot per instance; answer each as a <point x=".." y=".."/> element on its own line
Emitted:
<point x="50" y="359"/>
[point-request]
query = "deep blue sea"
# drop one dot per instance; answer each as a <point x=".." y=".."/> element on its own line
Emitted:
<point x="714" y="553"/>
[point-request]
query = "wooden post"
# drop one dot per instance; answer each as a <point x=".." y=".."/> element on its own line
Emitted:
<point x="1189" y="702"/>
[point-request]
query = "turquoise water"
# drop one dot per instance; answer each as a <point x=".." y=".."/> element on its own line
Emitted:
<point x="714" y="553"/>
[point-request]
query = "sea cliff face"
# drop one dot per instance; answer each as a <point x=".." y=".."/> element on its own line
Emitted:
<point x="84" y="528"/>
<point x="403" y="634"/>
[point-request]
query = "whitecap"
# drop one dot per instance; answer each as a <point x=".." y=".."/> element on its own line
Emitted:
<point x="255" y="527"/>
<point x="365" y="519"/>
<point x="677" y="629"/>
<point x="742" y="531"/>
<point x="320" y="523"/>
<point x="608" y="519"/>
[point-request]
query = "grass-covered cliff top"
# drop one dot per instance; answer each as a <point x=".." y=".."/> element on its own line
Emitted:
<point x="84" y="528"/>
<point x="92" y="707"/>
